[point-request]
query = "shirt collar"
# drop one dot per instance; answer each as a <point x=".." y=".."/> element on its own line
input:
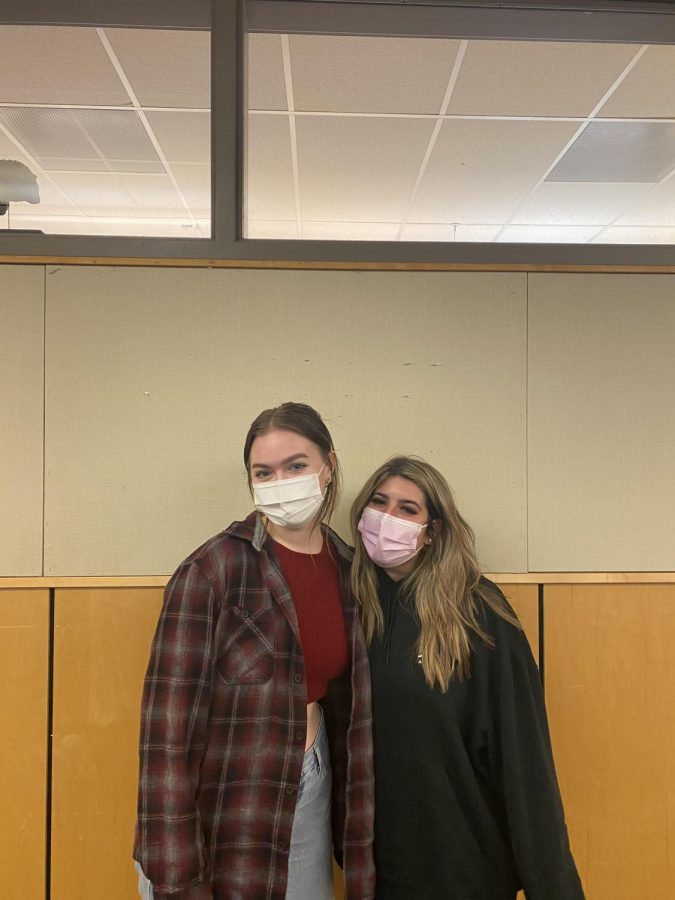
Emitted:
<point x="253" y="530"/>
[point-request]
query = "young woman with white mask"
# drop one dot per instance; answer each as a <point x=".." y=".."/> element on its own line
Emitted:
<point x="466" y="798"/>
<point x="256" y="751"/>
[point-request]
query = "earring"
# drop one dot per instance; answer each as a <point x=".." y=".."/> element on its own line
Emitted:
<point x="428" y="541"/>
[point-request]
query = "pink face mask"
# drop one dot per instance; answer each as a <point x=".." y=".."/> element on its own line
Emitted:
<point x="388" y="541"/>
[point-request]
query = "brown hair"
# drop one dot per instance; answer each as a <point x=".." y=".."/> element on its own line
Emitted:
<point x="306" y="421"/>
<point x="444" y="585"/>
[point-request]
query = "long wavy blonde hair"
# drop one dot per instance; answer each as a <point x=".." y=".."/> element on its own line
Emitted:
<point x="445" y="585"/>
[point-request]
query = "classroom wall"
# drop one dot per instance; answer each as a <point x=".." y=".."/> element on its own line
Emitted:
<point x="22" y="297"/>
<point x="544" y="399"/>
<point x="125" y="395"/>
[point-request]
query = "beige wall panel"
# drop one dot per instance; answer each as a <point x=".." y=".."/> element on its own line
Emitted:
<point x="153" y="377"/>
<point x="24" y="664"/>
<point x="610" y="683"/>
<point x="21" y="418"/>
<point x="524" y="598"/>
<point x="101" y="650"/>
<point x="601" y="422"/>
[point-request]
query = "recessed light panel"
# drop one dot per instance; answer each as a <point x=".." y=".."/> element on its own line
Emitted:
<point x="619" y="151"/>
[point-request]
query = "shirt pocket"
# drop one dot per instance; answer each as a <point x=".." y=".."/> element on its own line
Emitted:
<point x="246" y="654"/>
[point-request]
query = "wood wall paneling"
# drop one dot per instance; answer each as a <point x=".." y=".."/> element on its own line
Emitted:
<point x="524" y="598"/>
<point x="101" y="649"/>
<point x="610" y="684"/>
<point x="24" y="673"/>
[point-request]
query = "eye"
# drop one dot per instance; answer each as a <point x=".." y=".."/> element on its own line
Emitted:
<point x="409" y="510"/>
<point x="376" y="501"/>
<point x="262" y="474"/>
<point x="297" y="467"/>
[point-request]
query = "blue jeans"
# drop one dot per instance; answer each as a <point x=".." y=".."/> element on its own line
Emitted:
<point x="310" y="860"/>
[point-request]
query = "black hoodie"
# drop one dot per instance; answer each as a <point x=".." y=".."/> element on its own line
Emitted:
<point x="467" y="805"/>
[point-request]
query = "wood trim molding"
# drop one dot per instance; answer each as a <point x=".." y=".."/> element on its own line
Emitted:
<point x="86" y="581"/>
<point x="330" y="265"/>
<point x="160" y="581"/>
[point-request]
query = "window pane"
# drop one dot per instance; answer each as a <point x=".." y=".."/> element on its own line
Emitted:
<point x="112" y="124"/>
<point x="433" y="139"/>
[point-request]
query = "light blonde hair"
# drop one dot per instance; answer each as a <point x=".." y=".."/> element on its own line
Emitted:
<point x="445" y="585"/>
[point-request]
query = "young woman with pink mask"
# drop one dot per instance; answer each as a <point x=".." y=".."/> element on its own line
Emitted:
<point x="256" y="748"/>
<point x="466" y="799"/>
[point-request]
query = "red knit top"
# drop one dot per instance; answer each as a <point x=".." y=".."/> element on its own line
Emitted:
<point x="313" y="582"/>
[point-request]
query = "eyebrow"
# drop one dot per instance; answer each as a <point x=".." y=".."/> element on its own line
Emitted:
<point x="283" y="462"/>
<point x="386" y="497"/>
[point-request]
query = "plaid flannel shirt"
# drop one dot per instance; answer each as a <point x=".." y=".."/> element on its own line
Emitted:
<point x="223" y="727"/>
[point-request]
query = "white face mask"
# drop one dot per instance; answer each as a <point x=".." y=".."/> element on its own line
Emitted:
<point x="289" y="502"/>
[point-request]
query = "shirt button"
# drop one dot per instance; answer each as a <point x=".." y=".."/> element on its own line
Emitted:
<point x="290" y="790"/>
<point x="297" y="678"/>
<point x="244" y="613"/>
<point x="299" y="735"/>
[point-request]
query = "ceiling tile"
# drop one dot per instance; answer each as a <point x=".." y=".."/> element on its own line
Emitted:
<point x="480" y="171"/>
<point x="657" y="207"/>
<point x="9" y="150"/>
<point x="619" y="151"/>
<point x="54" y="64"/>
<point x="532" y="78"/>
<point x="358" y="169"/>
<point x="573" y="203"/>
<point x="118" y="134"/>
<point x="83" y="139"/>
<point x="165" y="68"/>
<point x="184" y="137"/>
<point x="93" y="191"/>
<point x="265" y="72"/>
<point x="370" y="74"/>
<point x="151" y="228"/>
<point x="55" y="224"/>
<point x="548" y="234"/>
<point x="136" y="165"/>
<point x="152" y="193"/>
<point x="648" y="90"/>
<point x="47" y="132"/>
<point x="195" y="183"/>
<point x="451" y="233"/>
<point x="269" y="186"/>
<point x="348" y="231"/>
<point x="51" y="198"/>
<point x="74" y="164"/>
<point x="271" y="230"/>
<point x="104" y="193"/>
<point x="643" y="235"/>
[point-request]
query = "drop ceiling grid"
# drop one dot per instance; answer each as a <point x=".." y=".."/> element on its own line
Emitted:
<point x="270" y="193"/>
<point x="58" y="65"/>
<point x="537" y="79"/>
<point x="466" y="182"/>
<point x="125" y="149"/>
<point x="45" y="181"/>
<point x="609" y="90"/>
<point x="604" y="69"/>
<point x="370" y="74"/>
<point x="146" y="40"/>
<point x="362" y="143"/>
<point x="360" y="170"/>
<point x="452" y="82"/>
